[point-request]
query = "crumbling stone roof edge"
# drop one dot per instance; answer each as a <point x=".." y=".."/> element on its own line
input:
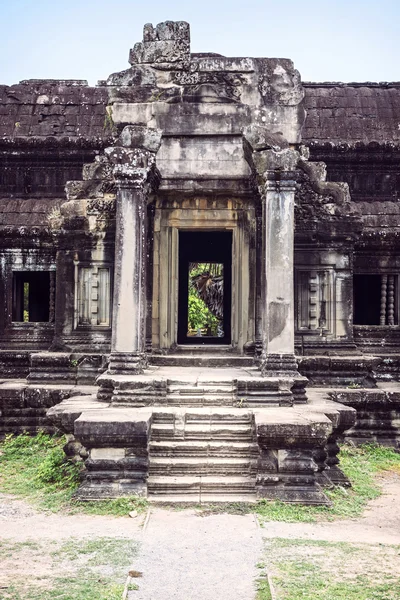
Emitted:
<point x="357" y="84"/>
<point x="343" y="146"/>
<point x="26" y="142"/>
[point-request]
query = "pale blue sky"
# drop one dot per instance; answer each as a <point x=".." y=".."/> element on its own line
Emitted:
<point x="328" y="40"/>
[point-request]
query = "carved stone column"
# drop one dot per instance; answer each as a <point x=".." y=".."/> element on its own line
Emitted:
<point x="129" y="305"/>
<point x="135" y="175"/>
<point x="278" y="327"/>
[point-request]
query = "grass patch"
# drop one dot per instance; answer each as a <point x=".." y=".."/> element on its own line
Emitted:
<point x="35" y="468"/>
<point x="314" y="570"/>
<point x="361" y="465"/>
<point x="67" y="589"/>
<point x="89" y="569"/>
<point x="96" y="552"/>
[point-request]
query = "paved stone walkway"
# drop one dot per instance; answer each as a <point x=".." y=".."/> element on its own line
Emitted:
<point x="188" y="557"/>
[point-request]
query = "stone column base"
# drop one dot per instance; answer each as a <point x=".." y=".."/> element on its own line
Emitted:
<point x="284" y="367"/>
<point x="274" y="365"/>
<point x="127" y="363"/>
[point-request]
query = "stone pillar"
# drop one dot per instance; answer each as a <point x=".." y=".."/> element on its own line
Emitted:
<point x="278" y="325"/>
<point x="129" y="305"/>
<point x="135" y="175"/>
<point x="64" y="300"/>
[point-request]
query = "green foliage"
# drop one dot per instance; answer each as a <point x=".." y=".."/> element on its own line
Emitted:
<point x="360" y="464"/>
<point x="199" y="316"/>
<point x="119" y="507"/>
<point x="36" y="468"/>
<point x="354" y="386"/>
<point x="55" y="469"/>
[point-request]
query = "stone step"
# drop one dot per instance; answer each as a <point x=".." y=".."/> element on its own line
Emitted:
<point x="187" y="485"/>
<point x="201" y="448"/>
<point x="201" y="360"/>
<point x="202" y="466"/>
<point x="202" y="415"/>
<point x="203" y="498"/>
<point x="212" y="387"/>
<point x="202" y="431"/>
<point x="191" y="400"/>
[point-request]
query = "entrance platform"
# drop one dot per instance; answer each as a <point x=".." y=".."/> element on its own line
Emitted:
<point x="203" y="435"/>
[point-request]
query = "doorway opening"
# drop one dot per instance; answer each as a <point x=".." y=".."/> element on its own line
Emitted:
<point x="205" y="287"/>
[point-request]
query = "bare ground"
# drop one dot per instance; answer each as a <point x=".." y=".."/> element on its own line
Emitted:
<point x="185" y="555"/>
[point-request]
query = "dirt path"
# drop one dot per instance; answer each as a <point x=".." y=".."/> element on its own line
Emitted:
<point x="188" y="557"/>
<point x="185" y="555"/>
<point x="20" y="522"/>
<point x="380" y="523"/>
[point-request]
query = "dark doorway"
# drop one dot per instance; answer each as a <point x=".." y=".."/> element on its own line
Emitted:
<point x="31" y="296"/>
<point x="367" y="299"/>
<point x="205" y="287"/>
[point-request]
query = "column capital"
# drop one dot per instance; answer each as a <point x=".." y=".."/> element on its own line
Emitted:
<point x="133" y="168"/>
<point x="278" y="181"/>
<point x="133" y="158"/>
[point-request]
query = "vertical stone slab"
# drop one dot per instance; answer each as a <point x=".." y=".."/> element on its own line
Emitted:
<point x="129" y="308"/>
<point x="279" y="293"/>
<point x="64" y="300"/>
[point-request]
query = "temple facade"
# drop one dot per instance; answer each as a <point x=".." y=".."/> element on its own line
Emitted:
<point x="191" y="253"/>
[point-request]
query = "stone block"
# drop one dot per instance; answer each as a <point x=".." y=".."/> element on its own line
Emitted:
<point x="117" y="427"/>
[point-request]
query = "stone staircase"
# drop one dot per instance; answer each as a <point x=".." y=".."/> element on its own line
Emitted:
<point x="204" y="393"/>
<point x="202" y="454"/>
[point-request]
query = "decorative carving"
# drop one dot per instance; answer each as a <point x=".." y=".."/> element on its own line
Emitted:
<point x="390" y="300"/>
<point x="133" y="157"/>
<point x="279" y="82"/>
<point x="319" y="200"/>
<point x="95" y="188"/>
<point x="167" y="45"/>
<point x="384" y="281"/>
<point x="101" y="206"/>
<point x="208" y="86"/>
<point x="99" y="169"/>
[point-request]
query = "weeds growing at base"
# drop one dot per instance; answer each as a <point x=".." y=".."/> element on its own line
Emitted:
<point x="36" y="468"/>
<point x="361" y="464"/>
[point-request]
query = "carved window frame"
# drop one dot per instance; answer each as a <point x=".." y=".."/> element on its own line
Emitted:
<point x="315" y="307"/>
<point x="93" y="307"/>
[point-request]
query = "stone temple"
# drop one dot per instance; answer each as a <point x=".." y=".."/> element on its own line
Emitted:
<point x="199" y="272"/>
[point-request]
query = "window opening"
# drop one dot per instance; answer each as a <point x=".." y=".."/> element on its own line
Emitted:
<point x="376" y="299"/>
<point x="31" y="297"/>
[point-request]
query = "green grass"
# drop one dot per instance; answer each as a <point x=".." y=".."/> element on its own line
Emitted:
<point x="97" y="551"/>
<point x="316" y="570"/>
<point x="88" y="569"/>
<point x="263" y="590"/>
<point x="67" y="589"/>
<point x="361" y="465"/>
<point x="262" y="584"/>
<point x="36" y="469"/>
